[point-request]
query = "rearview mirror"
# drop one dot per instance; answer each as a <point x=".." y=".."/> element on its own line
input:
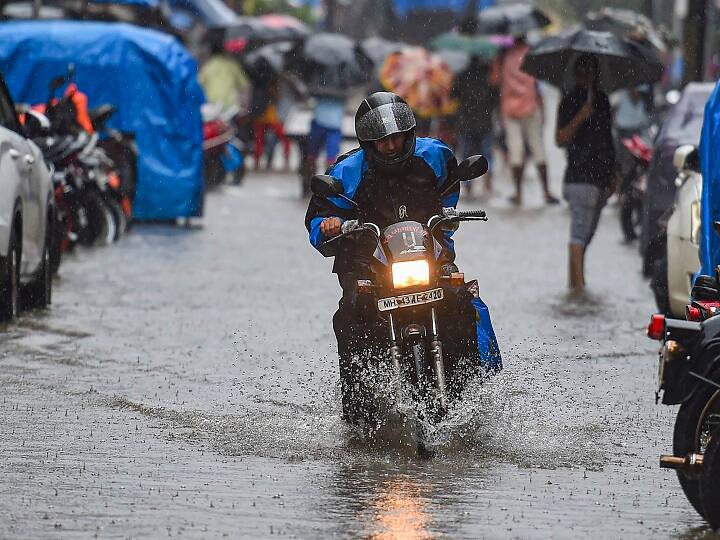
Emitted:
<point x="686" y="158"/>
<point x="324" y="185"/>
<point x="56" y="83"/>
<point x="716" y="226"/>
<point x="472" y="167"/>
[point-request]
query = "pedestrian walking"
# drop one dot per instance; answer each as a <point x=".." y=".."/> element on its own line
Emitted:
<point x="223" y="79"/>
<point x="584" y="128"/>
<point x="265" y="97"/>
<point x="477" y="100"/>
<point x="326" y="129"/>
<point x="521" y="110"/>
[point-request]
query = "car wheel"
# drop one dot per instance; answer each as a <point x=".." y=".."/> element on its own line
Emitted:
<point x="9" y="288"/>
<point x="38" y="293"/>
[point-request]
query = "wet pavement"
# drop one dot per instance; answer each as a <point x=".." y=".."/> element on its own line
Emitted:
<point x="184" y="383"/>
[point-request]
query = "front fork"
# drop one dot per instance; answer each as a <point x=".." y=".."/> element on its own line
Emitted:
<point x="436" y="357"/>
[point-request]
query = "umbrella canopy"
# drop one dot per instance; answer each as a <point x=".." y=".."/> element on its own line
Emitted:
<point x="329" y="62"/>
<point x="423" y="79"/>
<point x="623" y="63"/>
<point x="472" y="45"/>
<point x="268" y="57"/>
<point x="625" y="23"/>
<point x="377" y="48"/>
<point x="249" y="32"/>
<point x="510" y="19"/>
<point x="286" y="27"/>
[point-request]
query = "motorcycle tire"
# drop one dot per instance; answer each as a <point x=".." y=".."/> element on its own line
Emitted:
<point x="214" y="170"/>
<point x="118" y="216"/>
<point x="10" y="285"/>
<point x="710" y="481"/>
<point x="427" y="412"/>
<point x="38" y="293"/>
<point x="696" y="418"/>
<point x="101" y="225"/>
<point x="239" y="175"/>
<point x="59" y="236"/>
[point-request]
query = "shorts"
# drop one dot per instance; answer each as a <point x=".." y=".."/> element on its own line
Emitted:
<point x="320" y="135"/>
<point x="518" y="132"/>
<point x="586" y="202"/>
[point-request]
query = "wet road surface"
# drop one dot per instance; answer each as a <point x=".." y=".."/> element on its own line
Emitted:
<point x="185" y="384"/>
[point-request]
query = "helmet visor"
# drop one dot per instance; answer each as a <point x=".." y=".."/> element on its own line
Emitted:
<point x="385" y="120"/>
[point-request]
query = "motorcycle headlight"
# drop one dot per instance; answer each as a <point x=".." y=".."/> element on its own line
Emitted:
<point x="695" y="223"/>
<point x="410" y="273"/>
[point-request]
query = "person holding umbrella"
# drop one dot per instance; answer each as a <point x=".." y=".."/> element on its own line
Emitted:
<point x="584" y="128"/>
<point x="601" y="62"/>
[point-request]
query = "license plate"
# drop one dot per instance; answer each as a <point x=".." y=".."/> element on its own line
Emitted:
<point x="406" y="300"/>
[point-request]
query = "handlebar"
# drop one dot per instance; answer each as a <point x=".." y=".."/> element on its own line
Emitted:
<point x="472" y="214"/>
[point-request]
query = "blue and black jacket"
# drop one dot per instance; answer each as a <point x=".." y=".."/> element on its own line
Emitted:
<point x="410" y="191"/>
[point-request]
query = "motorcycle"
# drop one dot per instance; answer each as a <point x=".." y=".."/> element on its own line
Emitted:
<point x="633" y="182"/>
<point x="689" y="376"/>
<point x="223" y="150"/>
<point x="407" y="287"/>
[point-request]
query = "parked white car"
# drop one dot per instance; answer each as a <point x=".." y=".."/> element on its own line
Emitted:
<point x="683" y="229"/>
<point x="26" y="215"/>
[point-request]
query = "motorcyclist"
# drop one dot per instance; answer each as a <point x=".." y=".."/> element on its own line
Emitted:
<point x="393" y="176"/>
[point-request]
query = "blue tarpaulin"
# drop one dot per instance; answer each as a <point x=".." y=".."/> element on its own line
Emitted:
<point x="148" y="75"/>
<point x="403" y="7"/>
<point x="710" y="165"/>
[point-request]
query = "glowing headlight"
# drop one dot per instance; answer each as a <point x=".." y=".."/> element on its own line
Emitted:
<point x="410" y="273"/>
<point x="695" y="223"/>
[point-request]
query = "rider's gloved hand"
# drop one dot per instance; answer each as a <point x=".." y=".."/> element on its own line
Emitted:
<point x="449" y="211"/>
<point x="331" y="227"/>
<point x="449" y="268"/>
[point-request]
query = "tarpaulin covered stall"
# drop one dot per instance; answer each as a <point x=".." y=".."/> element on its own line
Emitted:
<point x="151" y="79"/>
<point x="710" y="165"/>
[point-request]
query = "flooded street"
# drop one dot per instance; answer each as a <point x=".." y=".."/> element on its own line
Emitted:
<point x="184" y="383"/>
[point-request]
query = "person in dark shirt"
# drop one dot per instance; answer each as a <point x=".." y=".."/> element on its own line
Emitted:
<point x="584" y="127"/>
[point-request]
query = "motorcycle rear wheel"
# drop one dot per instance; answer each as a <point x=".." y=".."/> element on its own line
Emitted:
<point x="695" y="420"/>
<point x="710" y="481"/>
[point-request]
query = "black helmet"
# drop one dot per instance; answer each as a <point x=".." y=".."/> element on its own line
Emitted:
<point x="382" y="114"/>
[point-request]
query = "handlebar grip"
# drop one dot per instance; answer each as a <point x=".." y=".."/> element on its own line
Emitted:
<point x="472" y="213"/>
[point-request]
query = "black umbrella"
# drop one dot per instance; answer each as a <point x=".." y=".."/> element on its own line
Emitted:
<point x="329" y="62"/>
<point x="625" y="23"/>
<point x="250" y="32"/>
<point x="623" y="63"/>
<point x="269" y="57"/>
<point x="377" y="48"/>
<point x="510" y="19"/>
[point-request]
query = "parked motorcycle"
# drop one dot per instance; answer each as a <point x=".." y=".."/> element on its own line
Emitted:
<point x="408" y="286"/>
<point x="223" y="150"/>
<point x="633" y="182"/>
<point x="689" y="376"/>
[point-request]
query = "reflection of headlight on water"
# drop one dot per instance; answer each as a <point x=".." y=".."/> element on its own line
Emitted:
<point x="400" y="513"/>
<point x="410" y="273"/>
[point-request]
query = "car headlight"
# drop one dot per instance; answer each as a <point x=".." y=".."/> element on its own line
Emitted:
<point x="410" y="273"/>
<point x="695" y="223"/>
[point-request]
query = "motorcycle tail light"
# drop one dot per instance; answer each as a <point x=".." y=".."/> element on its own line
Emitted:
<point x="114" y="180"/>
<point x="410" y="273"/>
<point x="656" y="328"/>
<point x="693" y="314"/>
